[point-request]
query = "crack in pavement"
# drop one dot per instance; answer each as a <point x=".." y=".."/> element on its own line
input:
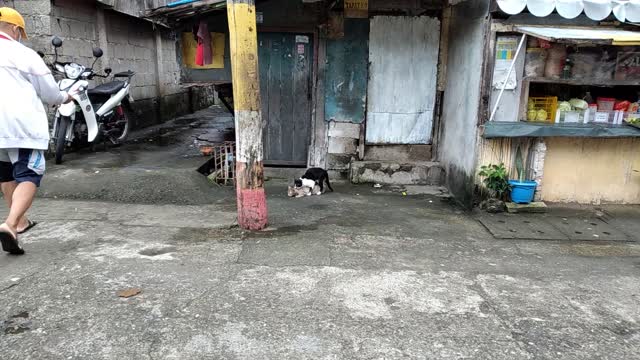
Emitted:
<point x="501" y="317"/>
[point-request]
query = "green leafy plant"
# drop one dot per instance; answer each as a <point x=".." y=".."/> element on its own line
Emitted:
<point x="496" y="178"/>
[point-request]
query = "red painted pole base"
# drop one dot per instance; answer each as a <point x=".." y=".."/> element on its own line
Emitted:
<point x="252" y="208"/>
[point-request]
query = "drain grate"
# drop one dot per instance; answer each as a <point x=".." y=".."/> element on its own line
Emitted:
<point x="537" y="227"/>
<point x="587" y="229"/>
<point x="504" y="226"/>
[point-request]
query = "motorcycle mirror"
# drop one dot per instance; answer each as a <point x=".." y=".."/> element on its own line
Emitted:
<point x="97" y="52"/>
<point x="107" y="71"/>
<point x="56" y="42"/>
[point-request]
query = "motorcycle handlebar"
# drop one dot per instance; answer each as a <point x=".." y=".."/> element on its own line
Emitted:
<point x="98" y="75"/>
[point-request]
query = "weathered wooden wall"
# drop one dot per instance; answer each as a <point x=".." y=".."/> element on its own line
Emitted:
<point x="403" y="56"/>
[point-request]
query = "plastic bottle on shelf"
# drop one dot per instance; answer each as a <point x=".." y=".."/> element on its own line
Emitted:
<point x="566" y="69"/>
<point x="588" y="98"/>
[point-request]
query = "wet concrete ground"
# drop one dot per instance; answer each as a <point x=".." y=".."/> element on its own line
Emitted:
<point x="157" y="166"/>
<point x="361" y="273"/>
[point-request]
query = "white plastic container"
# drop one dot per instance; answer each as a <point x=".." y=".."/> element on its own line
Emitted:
<point x="572" y="117"/>
<point x="613" y="117"/>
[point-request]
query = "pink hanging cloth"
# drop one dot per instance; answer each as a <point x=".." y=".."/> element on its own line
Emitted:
<point x="200" y="54"/>
<point x="204" y="45"/>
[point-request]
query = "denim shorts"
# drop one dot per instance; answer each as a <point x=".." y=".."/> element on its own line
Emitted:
<point x="22" y="165"/>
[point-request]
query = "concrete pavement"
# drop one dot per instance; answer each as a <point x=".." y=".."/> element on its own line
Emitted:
<point x="355" y="274"/>
<point x="361" y="273"/>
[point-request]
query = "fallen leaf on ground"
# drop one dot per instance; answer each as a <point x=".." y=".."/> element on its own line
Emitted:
<point x="127" y="293"/>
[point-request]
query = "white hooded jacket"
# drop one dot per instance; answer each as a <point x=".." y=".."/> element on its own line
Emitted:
<point x="25" y="82"/>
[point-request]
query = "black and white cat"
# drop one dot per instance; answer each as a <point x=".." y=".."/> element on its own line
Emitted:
<point x="313" y="177"/>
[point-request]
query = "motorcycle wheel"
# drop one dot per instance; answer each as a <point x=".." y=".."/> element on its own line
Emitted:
<point x="93" y="146"/>
<point x="61" y="138"/>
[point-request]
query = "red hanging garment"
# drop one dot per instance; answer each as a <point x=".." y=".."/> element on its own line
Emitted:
<point x="204" y="37"/>
<point x="200" y="53"/>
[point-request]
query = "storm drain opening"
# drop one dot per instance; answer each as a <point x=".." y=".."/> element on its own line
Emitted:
<point x="221" y="167"/>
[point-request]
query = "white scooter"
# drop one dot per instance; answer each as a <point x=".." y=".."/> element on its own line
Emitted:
<point x="78" y="121"/>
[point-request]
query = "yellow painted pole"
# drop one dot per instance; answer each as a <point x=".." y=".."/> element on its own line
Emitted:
<point x="251" y="198"/>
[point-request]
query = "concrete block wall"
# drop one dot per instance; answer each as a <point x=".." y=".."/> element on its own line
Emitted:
<point x="131" y="45"/>
<point x="170" y="76"/>
<point x="38" y="21"/>
<point x="74" y="21"/>
<point x="177" y="99"/>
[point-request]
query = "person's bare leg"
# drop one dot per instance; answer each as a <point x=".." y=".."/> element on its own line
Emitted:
<point x="7" y="190"/>
<point x="22" y="199"/>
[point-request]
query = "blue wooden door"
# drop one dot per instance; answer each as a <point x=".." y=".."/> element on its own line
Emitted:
<point x="285" y="83"/>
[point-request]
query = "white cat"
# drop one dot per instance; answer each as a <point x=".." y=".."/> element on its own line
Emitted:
<point x="303" y="191"/>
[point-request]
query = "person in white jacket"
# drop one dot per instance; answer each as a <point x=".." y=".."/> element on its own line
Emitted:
<point x="25" y="82"/>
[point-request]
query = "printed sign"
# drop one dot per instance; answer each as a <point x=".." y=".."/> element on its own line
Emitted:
<point x="300" y="48"/>
<point x="356" y="8"/>
<point x="601" y="117"/>
<point x="259" y="17"/>
<point x="302" y="39"/>
<point x="506" y="47"/>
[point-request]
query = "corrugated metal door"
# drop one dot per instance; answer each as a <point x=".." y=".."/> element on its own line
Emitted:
<point x="285" y="86"/>
<point x="403" y="56"/>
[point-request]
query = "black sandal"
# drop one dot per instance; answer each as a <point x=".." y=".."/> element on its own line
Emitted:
<point x="10" y="242"/>
<point x="30" y="224"/>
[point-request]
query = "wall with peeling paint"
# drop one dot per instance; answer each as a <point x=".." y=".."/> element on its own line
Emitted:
<point x="346" y="73"/>
<point x="281" y="15"/>
<point x="592" y="171"/>
<point x="462" y="96"/>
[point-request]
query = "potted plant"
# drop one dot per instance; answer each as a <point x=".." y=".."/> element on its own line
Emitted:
<point x="522" y="191"/>
<point x="496" y="179"/>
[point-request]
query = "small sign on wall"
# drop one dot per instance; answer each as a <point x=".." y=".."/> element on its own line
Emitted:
<point x="356" y="8"/>
<point x="302" y="39"/>
<point x="506" y="47"/>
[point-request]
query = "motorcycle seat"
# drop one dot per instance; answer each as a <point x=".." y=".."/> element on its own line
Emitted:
<point x="109" y="88"/>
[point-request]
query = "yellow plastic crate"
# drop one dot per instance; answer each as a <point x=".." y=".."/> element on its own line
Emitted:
<point x="546" y="103"/>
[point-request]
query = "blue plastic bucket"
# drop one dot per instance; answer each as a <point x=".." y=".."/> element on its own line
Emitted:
<point x="522" y="192"/>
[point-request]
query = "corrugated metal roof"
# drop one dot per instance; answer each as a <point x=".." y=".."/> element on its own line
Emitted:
<point x="606" y="36"/>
